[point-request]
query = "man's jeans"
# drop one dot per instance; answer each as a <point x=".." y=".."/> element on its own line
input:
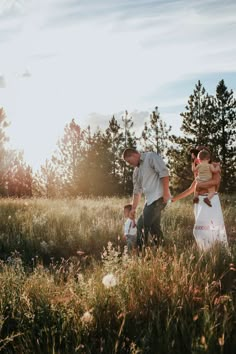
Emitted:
<point x="150" y="222"/>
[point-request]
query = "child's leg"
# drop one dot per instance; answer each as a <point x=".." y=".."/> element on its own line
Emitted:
<point x="211" y="192"/>
<point x="195" y="199"/>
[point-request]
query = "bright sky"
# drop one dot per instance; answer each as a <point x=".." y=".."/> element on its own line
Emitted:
<point x="88" y="60"/>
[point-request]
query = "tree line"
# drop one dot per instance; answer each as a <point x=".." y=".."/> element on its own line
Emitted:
<point x="88" y="163"/>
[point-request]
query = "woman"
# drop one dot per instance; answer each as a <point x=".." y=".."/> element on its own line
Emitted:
<point x="209" y="223"/>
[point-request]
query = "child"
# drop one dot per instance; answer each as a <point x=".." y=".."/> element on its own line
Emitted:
<point x="130" y="229"/>
<point x="204" y="172"/>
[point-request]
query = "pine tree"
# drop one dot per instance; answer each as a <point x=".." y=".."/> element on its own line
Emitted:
<point x="3" y="153"/>
<point x="95" y="172"/>
<point x="155" y="135"/>
<point x="224" y="106"/>
<point x="19" y="175"/>
<point x="46" y="182"/>
<point x="196" y="127"/>
<point x="68" y="157"/>
<point x="115" y="139"/>
<point x="130" y="141"/>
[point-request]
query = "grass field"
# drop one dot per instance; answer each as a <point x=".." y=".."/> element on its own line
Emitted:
<point x="68" y="286"/>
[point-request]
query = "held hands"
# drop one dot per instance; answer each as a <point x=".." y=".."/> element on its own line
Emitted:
<point x="132" y="213"/>
<point x="166" y="198"/>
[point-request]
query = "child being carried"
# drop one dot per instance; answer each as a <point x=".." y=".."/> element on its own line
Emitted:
<point x="204" y="172"/>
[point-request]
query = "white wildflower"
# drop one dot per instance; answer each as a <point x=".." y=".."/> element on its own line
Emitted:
<point x="109" y="280"/>
<point x="44" y="246"/>
<point x="9" y="217"/>
<point x="87" y="318"/>
<point x="39" y="220"/>
<point x="80" y="278"/>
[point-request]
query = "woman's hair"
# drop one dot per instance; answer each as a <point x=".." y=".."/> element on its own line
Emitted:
<point x="194" y="151"/>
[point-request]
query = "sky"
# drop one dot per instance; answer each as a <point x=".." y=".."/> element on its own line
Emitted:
<point x="92" y="59"/>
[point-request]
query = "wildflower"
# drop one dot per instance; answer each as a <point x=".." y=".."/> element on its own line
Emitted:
<point x="221" y="340"/>
<point x="80" y="277"/>
<point x="44" y="246"/>
<point x="80" y="253"/>
<point x="9" y="217"/>
<point x="109" y="280"/>
<point x="87" y="318"/>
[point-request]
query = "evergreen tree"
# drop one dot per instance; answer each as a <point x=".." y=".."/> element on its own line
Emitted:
<point x="3" y="154"/>
<point x="19" y="176"/>
<point x="115" y="139"/>
<point x="155" y="134"/>
<point x="95" y="173"/>
<point x="130" y="141"/>
<point x="68" y="157"/>
<point x="196" y="127"/>
<point x="224" y="128"/>
<point x="46" y="182"/>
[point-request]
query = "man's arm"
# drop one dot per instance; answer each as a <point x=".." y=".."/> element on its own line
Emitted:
<point x="136" y="199"/>
<point x="166" y="191"/>
<point x="159" y="166"/>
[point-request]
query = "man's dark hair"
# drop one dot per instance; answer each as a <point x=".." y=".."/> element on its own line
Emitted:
<point x="129" y="152"/>
<point x="128" y="207"/>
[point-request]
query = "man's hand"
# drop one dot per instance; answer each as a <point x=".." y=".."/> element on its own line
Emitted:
<point x="166" y="192"/>
<point x="132" y="213"/>
<point x="166" y="197"/>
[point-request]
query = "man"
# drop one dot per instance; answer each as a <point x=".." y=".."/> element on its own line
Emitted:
<point x="150" y="177"/>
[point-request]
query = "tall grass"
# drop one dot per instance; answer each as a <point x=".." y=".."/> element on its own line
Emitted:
<point x="54" y="299"/>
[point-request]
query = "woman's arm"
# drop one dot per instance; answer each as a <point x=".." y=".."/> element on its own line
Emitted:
<point x="215" y="168"/>
<point x="185" y="193"/>
<point x="194" y="167"/>
<point x="214" y="182"/>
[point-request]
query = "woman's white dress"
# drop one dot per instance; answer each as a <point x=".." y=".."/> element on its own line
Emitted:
<point x="209" y="223"/>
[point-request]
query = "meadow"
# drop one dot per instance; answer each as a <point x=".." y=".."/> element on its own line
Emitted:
<point x="67" y="284"/>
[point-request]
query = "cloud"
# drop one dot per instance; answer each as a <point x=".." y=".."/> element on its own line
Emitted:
<point x="2" y="81"/>
<point x="97" y="120"/>
<point x="26" y="74"/>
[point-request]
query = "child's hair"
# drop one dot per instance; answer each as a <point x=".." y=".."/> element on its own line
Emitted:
<point x="128" y="207"/>
<point x="204" y="155"/>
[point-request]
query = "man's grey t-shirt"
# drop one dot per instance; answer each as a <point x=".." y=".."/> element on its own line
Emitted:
<point x="147" y="176"/>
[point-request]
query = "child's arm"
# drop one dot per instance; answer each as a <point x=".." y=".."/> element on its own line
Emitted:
<point x="125" y="231"/>
<point x="215" y="168"/>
